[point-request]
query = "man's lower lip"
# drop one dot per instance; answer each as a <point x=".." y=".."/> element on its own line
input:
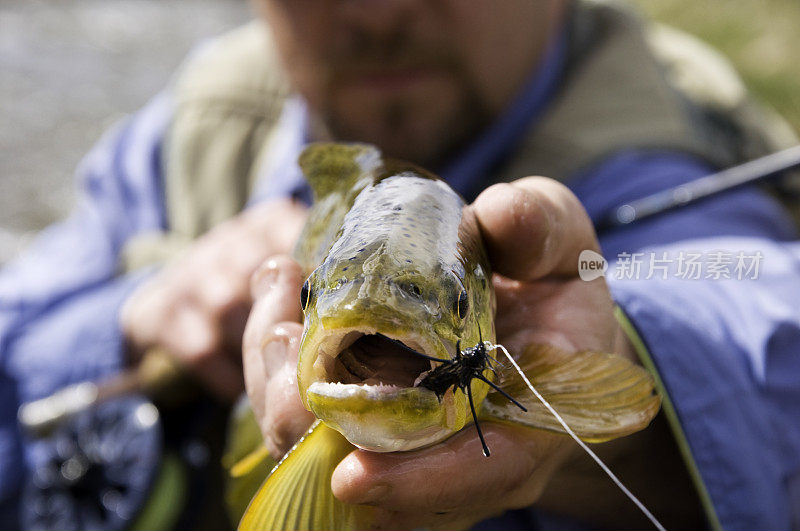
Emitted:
<point x="392" y="81"/>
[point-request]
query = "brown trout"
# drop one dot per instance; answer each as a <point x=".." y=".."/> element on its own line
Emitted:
<point x="396" y="264"/>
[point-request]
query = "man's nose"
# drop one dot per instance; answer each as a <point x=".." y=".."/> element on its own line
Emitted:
<point x="380" y="17"/>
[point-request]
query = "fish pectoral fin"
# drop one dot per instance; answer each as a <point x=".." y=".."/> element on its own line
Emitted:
<point x="256" y="459"/>
<point x="246" y="459"/>
<point x="244" y="479"/>
<point x="297" y="494"/>
<point x="600" y="396"/>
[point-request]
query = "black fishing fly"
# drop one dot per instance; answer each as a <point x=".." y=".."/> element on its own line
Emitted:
<point x="468" y="365"/>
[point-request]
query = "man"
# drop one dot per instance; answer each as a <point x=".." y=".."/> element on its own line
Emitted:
<point x="482" y="92"/>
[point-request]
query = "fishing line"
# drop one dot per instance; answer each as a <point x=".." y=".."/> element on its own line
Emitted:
<point x="629" y="494"/>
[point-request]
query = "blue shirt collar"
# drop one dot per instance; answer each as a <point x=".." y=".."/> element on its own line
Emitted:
<point x="467" y="173"/>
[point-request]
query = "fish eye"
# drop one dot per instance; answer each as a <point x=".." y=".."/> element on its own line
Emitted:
<point x="305" y="295"/>
<point x="462" y="304"/>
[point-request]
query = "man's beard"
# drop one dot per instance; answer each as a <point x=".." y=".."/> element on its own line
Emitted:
<point x="449" y="135"/>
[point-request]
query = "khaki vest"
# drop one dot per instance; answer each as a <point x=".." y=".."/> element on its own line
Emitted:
<point x="626" y="85"/>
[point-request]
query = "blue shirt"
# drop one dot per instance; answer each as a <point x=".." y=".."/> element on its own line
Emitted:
<point x="726" y="350"/>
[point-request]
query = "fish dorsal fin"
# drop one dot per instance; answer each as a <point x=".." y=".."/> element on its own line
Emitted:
<point x="600" y="396"/>
<point x="331" y="167"/>
<point x="297" y="494"/>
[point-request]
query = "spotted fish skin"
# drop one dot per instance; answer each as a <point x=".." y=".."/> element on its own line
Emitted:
<point x="400" y="248"/>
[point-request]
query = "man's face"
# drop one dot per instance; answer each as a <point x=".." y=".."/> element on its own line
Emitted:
<point x="415" y="77"/>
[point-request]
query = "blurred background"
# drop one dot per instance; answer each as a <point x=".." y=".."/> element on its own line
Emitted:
<point x="68" y="70"/>
<point x="71" y="68"/>
<point x="761" y="37"/>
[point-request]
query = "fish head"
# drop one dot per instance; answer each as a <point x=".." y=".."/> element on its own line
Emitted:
<point x="365" y="314"/>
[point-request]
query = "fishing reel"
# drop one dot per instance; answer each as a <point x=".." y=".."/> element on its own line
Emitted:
<point x="99" y="470"/>
<point x="127" y="461"/>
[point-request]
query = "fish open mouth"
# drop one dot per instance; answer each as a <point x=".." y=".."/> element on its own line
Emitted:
<point x="366" y="386"/>
<point x="374" y="360"/>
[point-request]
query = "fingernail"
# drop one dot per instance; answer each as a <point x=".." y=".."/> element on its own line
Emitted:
<point x="265" y="278"/>
<point x="273" y="348"/>
<point x="375" y="494"/>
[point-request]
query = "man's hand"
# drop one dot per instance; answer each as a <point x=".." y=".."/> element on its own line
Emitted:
<point x="534" y="230"/>
<point x="271" y="347"/>
<point x="197" y="306"/>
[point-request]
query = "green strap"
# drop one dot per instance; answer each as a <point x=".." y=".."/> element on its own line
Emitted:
<point x="672" y="416"/>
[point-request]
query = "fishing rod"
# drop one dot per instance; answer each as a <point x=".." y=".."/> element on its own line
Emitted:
<point x="755" y="171"/>
<point x="157" y="375"/>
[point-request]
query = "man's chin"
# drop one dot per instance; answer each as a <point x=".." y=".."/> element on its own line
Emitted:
<point x="413" y="142"/>
<point x="424" y="128"/>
